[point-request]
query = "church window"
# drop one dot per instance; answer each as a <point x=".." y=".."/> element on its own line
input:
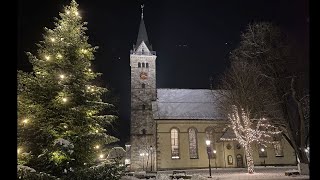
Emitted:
<point x="147" y="65"/>
<point x="143" y="85"/>
<point x="210" y="136"/>
<point x="278" y="150"/>
<point x="143" y="65"/>
<point x="193" y="145"/>
<point x="174" y="143"/>
<point x="139" y="65"/>
<point x="143" y="107"/>
<point x="262" y="151"/>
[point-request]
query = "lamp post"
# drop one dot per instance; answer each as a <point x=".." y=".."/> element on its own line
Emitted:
<point x="264" y="159"/>
<point x="151" y="151"/>
<point x="215" y="158"/>
<point x="209" y="154"/>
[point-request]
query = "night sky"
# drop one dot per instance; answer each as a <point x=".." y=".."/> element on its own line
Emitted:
<point x="192" y="38"/>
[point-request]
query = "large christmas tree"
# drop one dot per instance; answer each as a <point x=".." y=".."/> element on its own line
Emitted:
<point x="60" y="124"/>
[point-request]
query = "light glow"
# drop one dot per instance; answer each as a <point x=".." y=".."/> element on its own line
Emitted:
<point x="47" y="57"/>
<point x="208" y="142"/>
<point x="53" y="39"/>
<point x="25" y="121"/>
<point x="64" y="99"/>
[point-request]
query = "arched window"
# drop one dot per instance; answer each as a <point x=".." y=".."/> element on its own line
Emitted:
<point x="147" y="65"/>
<point x="278" y="150"/>
<point x="143" y="65"/>
<point x="210" y="136"/>
<point x="174" y="143"/>
<point x="193" y="144"/>
<point x="139" y="65"/>
<point x="143" y="85"/>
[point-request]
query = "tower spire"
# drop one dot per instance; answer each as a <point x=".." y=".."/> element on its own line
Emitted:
<point x="142" y="34"/>
<point x="142" y="6"/>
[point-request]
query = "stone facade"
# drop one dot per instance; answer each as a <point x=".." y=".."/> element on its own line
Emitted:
<point x="143" y="92"/>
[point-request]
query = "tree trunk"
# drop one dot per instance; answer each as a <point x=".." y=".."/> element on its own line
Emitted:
<point x="249" y="158"/>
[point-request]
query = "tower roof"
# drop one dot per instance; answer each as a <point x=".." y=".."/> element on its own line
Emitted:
<point x="142" y="35"/>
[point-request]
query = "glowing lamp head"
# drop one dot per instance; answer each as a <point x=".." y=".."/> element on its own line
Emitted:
<point x="262" y="149"/>
<point x="214" y="151"/>
<point x="208" y="142"/>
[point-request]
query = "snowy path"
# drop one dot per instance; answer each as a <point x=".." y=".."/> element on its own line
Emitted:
<point x="263" y="173"/>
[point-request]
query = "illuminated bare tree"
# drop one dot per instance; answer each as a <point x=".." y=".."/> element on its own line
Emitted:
<point x="248" y="131"/>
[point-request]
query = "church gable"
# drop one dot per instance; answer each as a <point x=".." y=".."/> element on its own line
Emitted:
<point x="186" y="104"/>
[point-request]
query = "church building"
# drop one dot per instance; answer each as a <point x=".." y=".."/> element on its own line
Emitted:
<point x="170" y="127"/>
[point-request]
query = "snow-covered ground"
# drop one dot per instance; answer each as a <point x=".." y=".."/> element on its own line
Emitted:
<point x="265" y="173"/>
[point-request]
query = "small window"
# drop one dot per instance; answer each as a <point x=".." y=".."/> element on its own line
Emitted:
<point x="143" y="85"/>
<point x="139" y="65"/>
<point x="143" y="107"/>
<point x="143" y="65"/>
<point x="230" y="160"/>
<point x="147" y="65"/>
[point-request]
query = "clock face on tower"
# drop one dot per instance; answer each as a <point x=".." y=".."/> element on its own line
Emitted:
<point x="143" y="75"/>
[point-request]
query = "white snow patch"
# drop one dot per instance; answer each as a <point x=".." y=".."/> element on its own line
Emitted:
<point x="26" y="168"/>
<point x="63" y="142"/>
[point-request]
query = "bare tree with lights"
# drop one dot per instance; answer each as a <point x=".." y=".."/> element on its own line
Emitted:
<point x="249" y="131"/>
<point x="61" y="129"/>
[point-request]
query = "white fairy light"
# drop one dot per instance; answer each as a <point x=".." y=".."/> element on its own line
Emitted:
<point x="47" y="57"/>
<point x="53" y="39"/>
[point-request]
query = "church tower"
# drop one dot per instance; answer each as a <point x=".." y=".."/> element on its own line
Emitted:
<point x="143" y="92"/>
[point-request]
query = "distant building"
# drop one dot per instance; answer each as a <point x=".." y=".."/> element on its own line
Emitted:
<point x="169" y="127"/>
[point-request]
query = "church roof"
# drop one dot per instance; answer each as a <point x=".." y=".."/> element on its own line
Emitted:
<point x="186" y="104"/>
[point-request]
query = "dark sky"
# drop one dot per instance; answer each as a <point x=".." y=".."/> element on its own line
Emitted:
<point x="192" y="38"/>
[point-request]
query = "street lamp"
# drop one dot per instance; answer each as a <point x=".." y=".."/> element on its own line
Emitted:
<point x="208" y="142"/>
<point x="151" y="151"/>
<point x="215" y="158"/>
<point x="264" y="159"/>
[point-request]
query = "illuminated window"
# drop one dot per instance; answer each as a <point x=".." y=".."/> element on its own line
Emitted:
<point x="193" y="145"/>
<point x="174" y="143"/>
<point x="139" y="65"/>
<point x="210" y="136"/>
<point x="278" y="150"/>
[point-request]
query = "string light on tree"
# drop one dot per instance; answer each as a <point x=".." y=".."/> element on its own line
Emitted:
<point x="19" y="150"/>
<point x="59" y="56"/>
<point x="97" y="147"/>
<point x="101" y="156"/>
<point x="62" y="76"/>
<point x="53" y="39"/>
<point x="246" y="132"/>
<point x="68" y="12"/>
<point x="64" y="99"/>
<point x="84" y="51"/>
<point x="65" y="126"/>
<point x="25" y="121"/>
<point x="47" y="57"/>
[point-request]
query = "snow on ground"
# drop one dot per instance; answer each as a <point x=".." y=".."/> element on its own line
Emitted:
<point x="263" y="173"/>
